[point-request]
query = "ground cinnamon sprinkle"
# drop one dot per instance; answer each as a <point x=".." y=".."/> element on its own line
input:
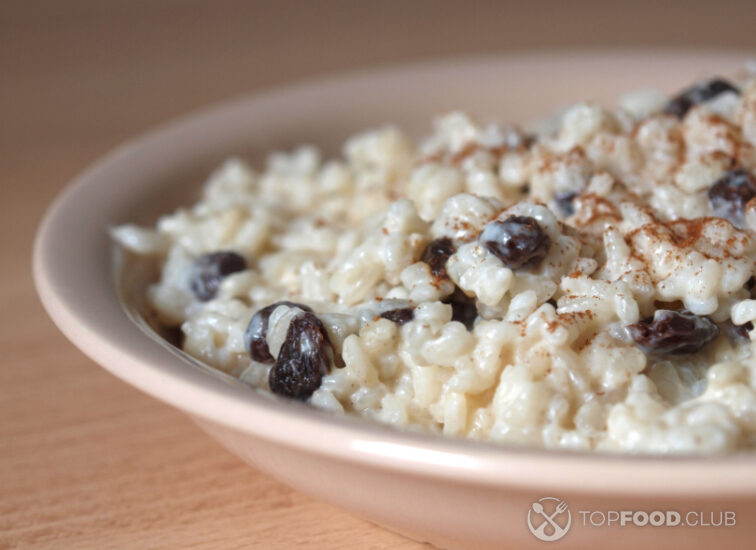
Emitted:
<point x="467" y="151"/>
<point x="564" y="319"/>
<point x="686" y="233"/>
<point x="592" y="208"/>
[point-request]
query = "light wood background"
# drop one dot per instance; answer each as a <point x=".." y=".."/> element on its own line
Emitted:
<point x="85" y="460"/>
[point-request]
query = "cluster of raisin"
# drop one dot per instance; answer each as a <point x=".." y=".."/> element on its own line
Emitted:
<point x="518" y="241"/>
<point x="306" y="354"/>
<point x="682" y="332"/>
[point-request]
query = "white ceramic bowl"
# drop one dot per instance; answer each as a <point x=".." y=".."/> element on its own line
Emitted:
<point x="452" y="493"/>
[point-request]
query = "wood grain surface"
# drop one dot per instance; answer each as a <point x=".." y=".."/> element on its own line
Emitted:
<point x="86" y="461"/>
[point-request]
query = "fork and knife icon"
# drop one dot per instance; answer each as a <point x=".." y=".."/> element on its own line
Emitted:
<point x="558" y="530"/>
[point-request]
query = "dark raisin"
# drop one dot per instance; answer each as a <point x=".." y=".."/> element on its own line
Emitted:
<point x="730" y="194"/>
<point x="750" y="283"/>
<point x="399" y="315"/>
<point x="436" y="254"/>
<point x="305" y="357"/>
<point x="211" y="269"/>
<point x="674" y="332"/>
<point x="564" y="203"/>
<point x="703" y="91"/>
<point x="173" y="335"/>
<point x="743" y="330"/>
<point x="518" y="241"/>
<point x="257" y="331"/>
<point x="529" y="140"/>
<point x="463" y="308"/>
<point x="735" y="332"/>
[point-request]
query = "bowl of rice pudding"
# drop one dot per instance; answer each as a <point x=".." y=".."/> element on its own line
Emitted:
<point x="398" y="293"/>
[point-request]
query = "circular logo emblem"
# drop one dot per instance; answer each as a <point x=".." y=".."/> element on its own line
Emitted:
<point x="549" y="519"/>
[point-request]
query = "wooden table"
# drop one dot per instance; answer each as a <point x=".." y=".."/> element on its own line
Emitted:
<point x="85" y="460"/>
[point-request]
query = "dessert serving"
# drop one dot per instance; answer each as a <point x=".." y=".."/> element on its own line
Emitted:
<point x="587" y="286"/>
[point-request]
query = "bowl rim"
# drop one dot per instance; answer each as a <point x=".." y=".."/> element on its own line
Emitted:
<point x="162" y="374"/>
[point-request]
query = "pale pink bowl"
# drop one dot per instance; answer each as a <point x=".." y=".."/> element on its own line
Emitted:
<point x="452" y="493"/>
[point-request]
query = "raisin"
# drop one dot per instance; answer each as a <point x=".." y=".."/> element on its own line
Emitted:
<point x="564" y="203"/>
<point x="399" y="315"/>
<point x="211" y="269"/>
<point x="257" y="331"/>
<point x="730" y="194"/>
<point x="736" y="332"/>
<point x="173" y="335"/>
<point x="743" y="330"/>
<point x="750" y="283"/>
<point x="436" y="254"/>
<point x="674" y="332"/>
<point x="463" y="308"/>
<point x="704" y="91"/>
<point x="305" y="357"/>
<point x="528" y="140"/>
<point x="519" y="242"/>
